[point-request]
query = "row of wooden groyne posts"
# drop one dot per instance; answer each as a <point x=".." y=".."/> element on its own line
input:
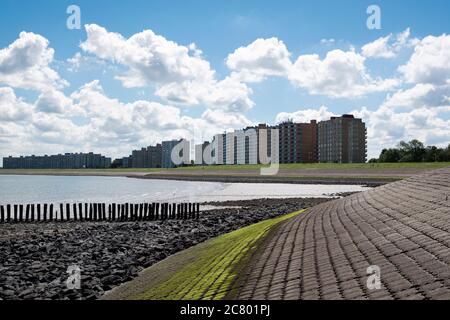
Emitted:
<point x="19" y="213"/>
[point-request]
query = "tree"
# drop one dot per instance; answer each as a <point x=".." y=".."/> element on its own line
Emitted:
<point x="389" y="155"/>
<point x="413" y="151"/>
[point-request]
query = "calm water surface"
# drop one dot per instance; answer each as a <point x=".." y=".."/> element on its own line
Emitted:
<point x="56" y="189"/>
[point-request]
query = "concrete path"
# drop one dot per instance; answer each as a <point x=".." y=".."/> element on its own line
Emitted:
<point x="402" y="227"/>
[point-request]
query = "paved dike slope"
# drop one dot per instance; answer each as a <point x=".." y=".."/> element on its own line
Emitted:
<point x="402" y="227"/>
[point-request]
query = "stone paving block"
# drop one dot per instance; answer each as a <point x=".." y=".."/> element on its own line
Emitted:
<point x="402" y="227"/>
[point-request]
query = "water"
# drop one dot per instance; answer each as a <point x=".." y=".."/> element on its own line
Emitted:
<point x="67" y="189"/>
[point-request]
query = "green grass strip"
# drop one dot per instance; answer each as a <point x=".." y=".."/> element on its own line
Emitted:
<point x="215" y="267"/>
<point x="304" y="166"/>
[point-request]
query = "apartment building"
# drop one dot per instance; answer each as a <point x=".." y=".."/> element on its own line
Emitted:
<point x="59" y="161"/>
<point x="342" y="140"/>
<point x="297" y="142"/>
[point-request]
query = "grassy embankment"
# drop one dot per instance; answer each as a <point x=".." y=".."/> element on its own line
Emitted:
<point x="216" y="263"/>
<point x="329" y="166"/>
<point x="296" y="166"/>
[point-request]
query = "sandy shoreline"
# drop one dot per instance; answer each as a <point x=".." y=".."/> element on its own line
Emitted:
<point x="328" y="178"/>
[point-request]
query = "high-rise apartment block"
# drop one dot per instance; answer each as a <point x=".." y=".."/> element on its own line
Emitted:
<point x="298" y="142"/>
<point x="149" y="157"/>
<point x="60" y="161"/>
<point x="167" y="147"/>
<point x="342" y="140"/>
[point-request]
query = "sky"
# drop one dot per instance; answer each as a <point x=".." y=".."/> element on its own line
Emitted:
<point x="138" y="72"/>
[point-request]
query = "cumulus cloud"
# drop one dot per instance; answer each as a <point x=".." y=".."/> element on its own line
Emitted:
<point x="99" y="123"/>
<point x="261" y="58"/>
<point x="389" y="46"/>
<point x="418" y="96"/>
<point x="26" y="64"/>
<point x="430" y="62"/>
<point x="53" y="101"/>
<point x="179" y="73"/>
<point x="305" y="115"/>
<point x="378" y="48"/>
<point x="90" y="120"/>
<point x="13" y="108"/>
<point x="151" y="58"/>
<point x="386" y="127"/>
<point x="340" y="74"/>
<point x="84" y="62"/>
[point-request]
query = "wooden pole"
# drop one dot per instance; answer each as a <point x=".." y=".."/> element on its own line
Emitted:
<point x="198" y="210"/>
<point x="45" y="212"/>
<point x="141" y="211"/>
<point x="68" y="215"/>
<point x="136" y="211"/>
<point x="152" y="211"/>
<point x="51" y="211"/>
<point x="27" y="213"/>
<point x="104" y="211"/>
<point x="15" y="213"/>
<point x="8" y="213"/>
<point x="74" y="209"/>
<point x="94" y="212"/>
<point x="80" y="211"/>
<point x="169" y="211"/>
<point x="20" y="212"/>
<point x="145" y="214"/>
<point x="33" y="218"/>
<point x="61" y="212"/>
<point x="131" y="212"/>
<point x="2" y="214"/>
<point x="38" y="212"/>
<point x="157" y="215"/>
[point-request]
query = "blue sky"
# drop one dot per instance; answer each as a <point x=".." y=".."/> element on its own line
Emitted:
<point x="218" y="28"/>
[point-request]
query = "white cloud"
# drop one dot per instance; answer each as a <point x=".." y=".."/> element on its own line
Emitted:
<point x="179" y="73"/>
<point x="410" y="97"/>
<point x="420" y="95"/>
<point x="340" y="74"/>
<point x="229" y="94"/>
<point x="378" y="49"/>
<point x="386" y="127"/>
<point x="13" y="108"/>
<point x="389" y="46"/>
<point x="328" y="42"/>
<point x="305" y="115"/>
<point x="84" y="62"/>
<point x="261" y="58"/>
<point x="430" y="62"/>
<point x="151" y="58"/>
<point x="92" y="121"/>
<point x="25" y="64"/>
<point x="53" y="101"/>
